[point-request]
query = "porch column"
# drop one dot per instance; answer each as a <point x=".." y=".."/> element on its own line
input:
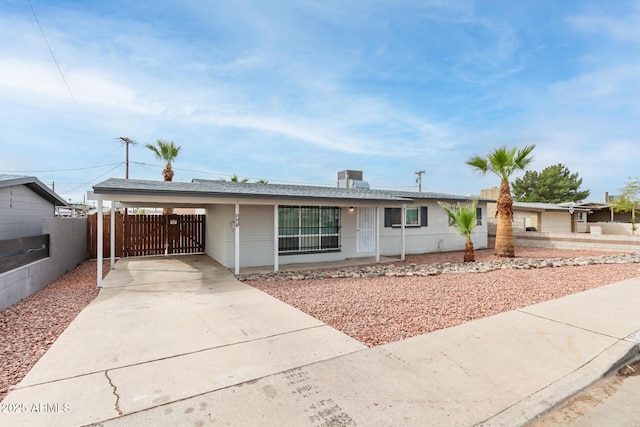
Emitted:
<point x="237" y="242"/>
<point x="99" y="243"/>
<point x="112" y="239"/>
<point x="276" y="225"/>
<point x="378" y="208"/>
<point x="403" y="221"/>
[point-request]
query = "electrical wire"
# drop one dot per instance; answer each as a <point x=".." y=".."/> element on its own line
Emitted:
<point x="94" y="179"/>
<point x="61" y="170"/>
<point x="64" y="79"/>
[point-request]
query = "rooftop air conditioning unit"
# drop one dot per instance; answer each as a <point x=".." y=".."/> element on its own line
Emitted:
<point x="352" y="179"/>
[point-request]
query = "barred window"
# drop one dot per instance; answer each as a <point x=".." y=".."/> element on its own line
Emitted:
<point x="308" y="229"/>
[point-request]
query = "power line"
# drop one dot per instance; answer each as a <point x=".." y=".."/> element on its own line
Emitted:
<point x="64" y="79"/>
<point x="93" y="179"/>
<point x="61" y="170"/>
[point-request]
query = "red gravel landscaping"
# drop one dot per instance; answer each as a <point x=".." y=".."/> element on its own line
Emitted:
<point x="30" y="327"/>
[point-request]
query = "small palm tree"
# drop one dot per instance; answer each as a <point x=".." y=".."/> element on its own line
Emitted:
<point x="262" y="181"/>
<point x="235" y="178"/>
<point x="168" y="152"/>
<point x="464" y="220"/>
<point x="504" y="162"/>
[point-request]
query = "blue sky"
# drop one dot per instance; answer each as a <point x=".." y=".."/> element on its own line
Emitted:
<point x="295" y="91"/>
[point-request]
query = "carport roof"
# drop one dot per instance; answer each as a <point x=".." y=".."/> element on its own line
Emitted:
<point x="226" y="189"/>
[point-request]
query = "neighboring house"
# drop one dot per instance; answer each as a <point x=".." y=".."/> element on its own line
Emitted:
<point x="24" y="203"/>
<point x="555" y="217"/>
<point x="250" y="224"/>
<point x="35" y="247"/>
<point x="550" y="217"/>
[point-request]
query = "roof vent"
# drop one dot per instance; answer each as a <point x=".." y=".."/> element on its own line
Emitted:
<point x="351" y="179"/>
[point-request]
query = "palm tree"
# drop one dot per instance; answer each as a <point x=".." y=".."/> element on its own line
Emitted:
<point x="464" y="220"/>
<point x="168" y="152"/>
<point x="235" y="178"/>
<point x="503" y="162"/>
<point x="262" y="181"/>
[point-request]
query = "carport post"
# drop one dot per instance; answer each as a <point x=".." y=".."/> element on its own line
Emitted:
<point x="237" y="236"/>
<point x="99" y="243"/>
<point x="112" y="235"/>
<point x="276" y="225"/>
<point x="403" y="222"/>
<point x="378" y="208"/>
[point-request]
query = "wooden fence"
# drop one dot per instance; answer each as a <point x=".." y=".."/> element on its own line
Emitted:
<point x="142" y="235"/>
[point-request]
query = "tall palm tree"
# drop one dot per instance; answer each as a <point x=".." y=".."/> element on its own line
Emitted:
<point x="168" y="152"/>
<point x="504" y="162"/>
<point x="464" y="220"/>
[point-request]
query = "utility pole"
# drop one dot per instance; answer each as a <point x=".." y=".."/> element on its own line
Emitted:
<point x="127" y="141"/>
<point x="419" y="180"/>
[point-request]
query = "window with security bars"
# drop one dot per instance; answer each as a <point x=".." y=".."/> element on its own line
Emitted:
<point x="308" y="229"/>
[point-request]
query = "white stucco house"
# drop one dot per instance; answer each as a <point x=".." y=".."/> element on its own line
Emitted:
<point x="251" y="224"/>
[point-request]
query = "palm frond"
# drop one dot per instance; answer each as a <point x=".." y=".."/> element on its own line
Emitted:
<point x="463" y="217"/>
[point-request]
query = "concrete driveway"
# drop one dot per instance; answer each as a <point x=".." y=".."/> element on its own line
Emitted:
<point x="162" y="330"/>
<point x="179" y="341"/>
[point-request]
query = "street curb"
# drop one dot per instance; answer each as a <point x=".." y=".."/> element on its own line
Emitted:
<point x="549" y="398"/>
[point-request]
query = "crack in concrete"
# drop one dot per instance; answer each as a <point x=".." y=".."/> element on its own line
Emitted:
<point x="115" y="393"/>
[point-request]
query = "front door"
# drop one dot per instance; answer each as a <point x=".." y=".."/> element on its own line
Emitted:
<point x="366" y="230"/>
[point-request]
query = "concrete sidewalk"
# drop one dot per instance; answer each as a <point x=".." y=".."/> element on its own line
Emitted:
<point x="180" y="342"/>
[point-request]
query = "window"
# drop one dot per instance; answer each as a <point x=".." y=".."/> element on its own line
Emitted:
<point x="308" y="229"/>
<point x="415" y="217"/>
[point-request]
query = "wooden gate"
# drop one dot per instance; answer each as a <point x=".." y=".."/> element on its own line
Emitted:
<point x="142" y="235"/>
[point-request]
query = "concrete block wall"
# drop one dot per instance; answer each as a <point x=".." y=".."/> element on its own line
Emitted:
<point x="580" y="241"/>
<point x="68" y="249"/>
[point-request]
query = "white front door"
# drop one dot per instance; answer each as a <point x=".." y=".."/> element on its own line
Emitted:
<point x="366" y="230"/>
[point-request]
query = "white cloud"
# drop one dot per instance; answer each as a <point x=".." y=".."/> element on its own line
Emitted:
<point x="623" y="28"/>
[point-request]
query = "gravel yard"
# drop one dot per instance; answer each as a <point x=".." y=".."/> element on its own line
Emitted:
<point x="30" y="327"/>
<point x="380" y="310"/>
<point x="374" y="310"/>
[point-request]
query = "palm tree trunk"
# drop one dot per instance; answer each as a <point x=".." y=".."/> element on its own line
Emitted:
<point x="167" y="173"/>
<point x="504" y="232"/>
<point x="469" y="256"/>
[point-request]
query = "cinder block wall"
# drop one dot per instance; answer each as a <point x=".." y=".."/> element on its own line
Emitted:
<point x="68" y="249"/>
<point x="585" y="241"/>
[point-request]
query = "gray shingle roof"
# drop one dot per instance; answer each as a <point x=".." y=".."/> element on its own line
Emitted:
<point x="35" y="185"/>
<point x="227" y="189"/>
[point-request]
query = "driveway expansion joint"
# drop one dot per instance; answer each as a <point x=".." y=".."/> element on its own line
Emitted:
<point x="523" y="311"/>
